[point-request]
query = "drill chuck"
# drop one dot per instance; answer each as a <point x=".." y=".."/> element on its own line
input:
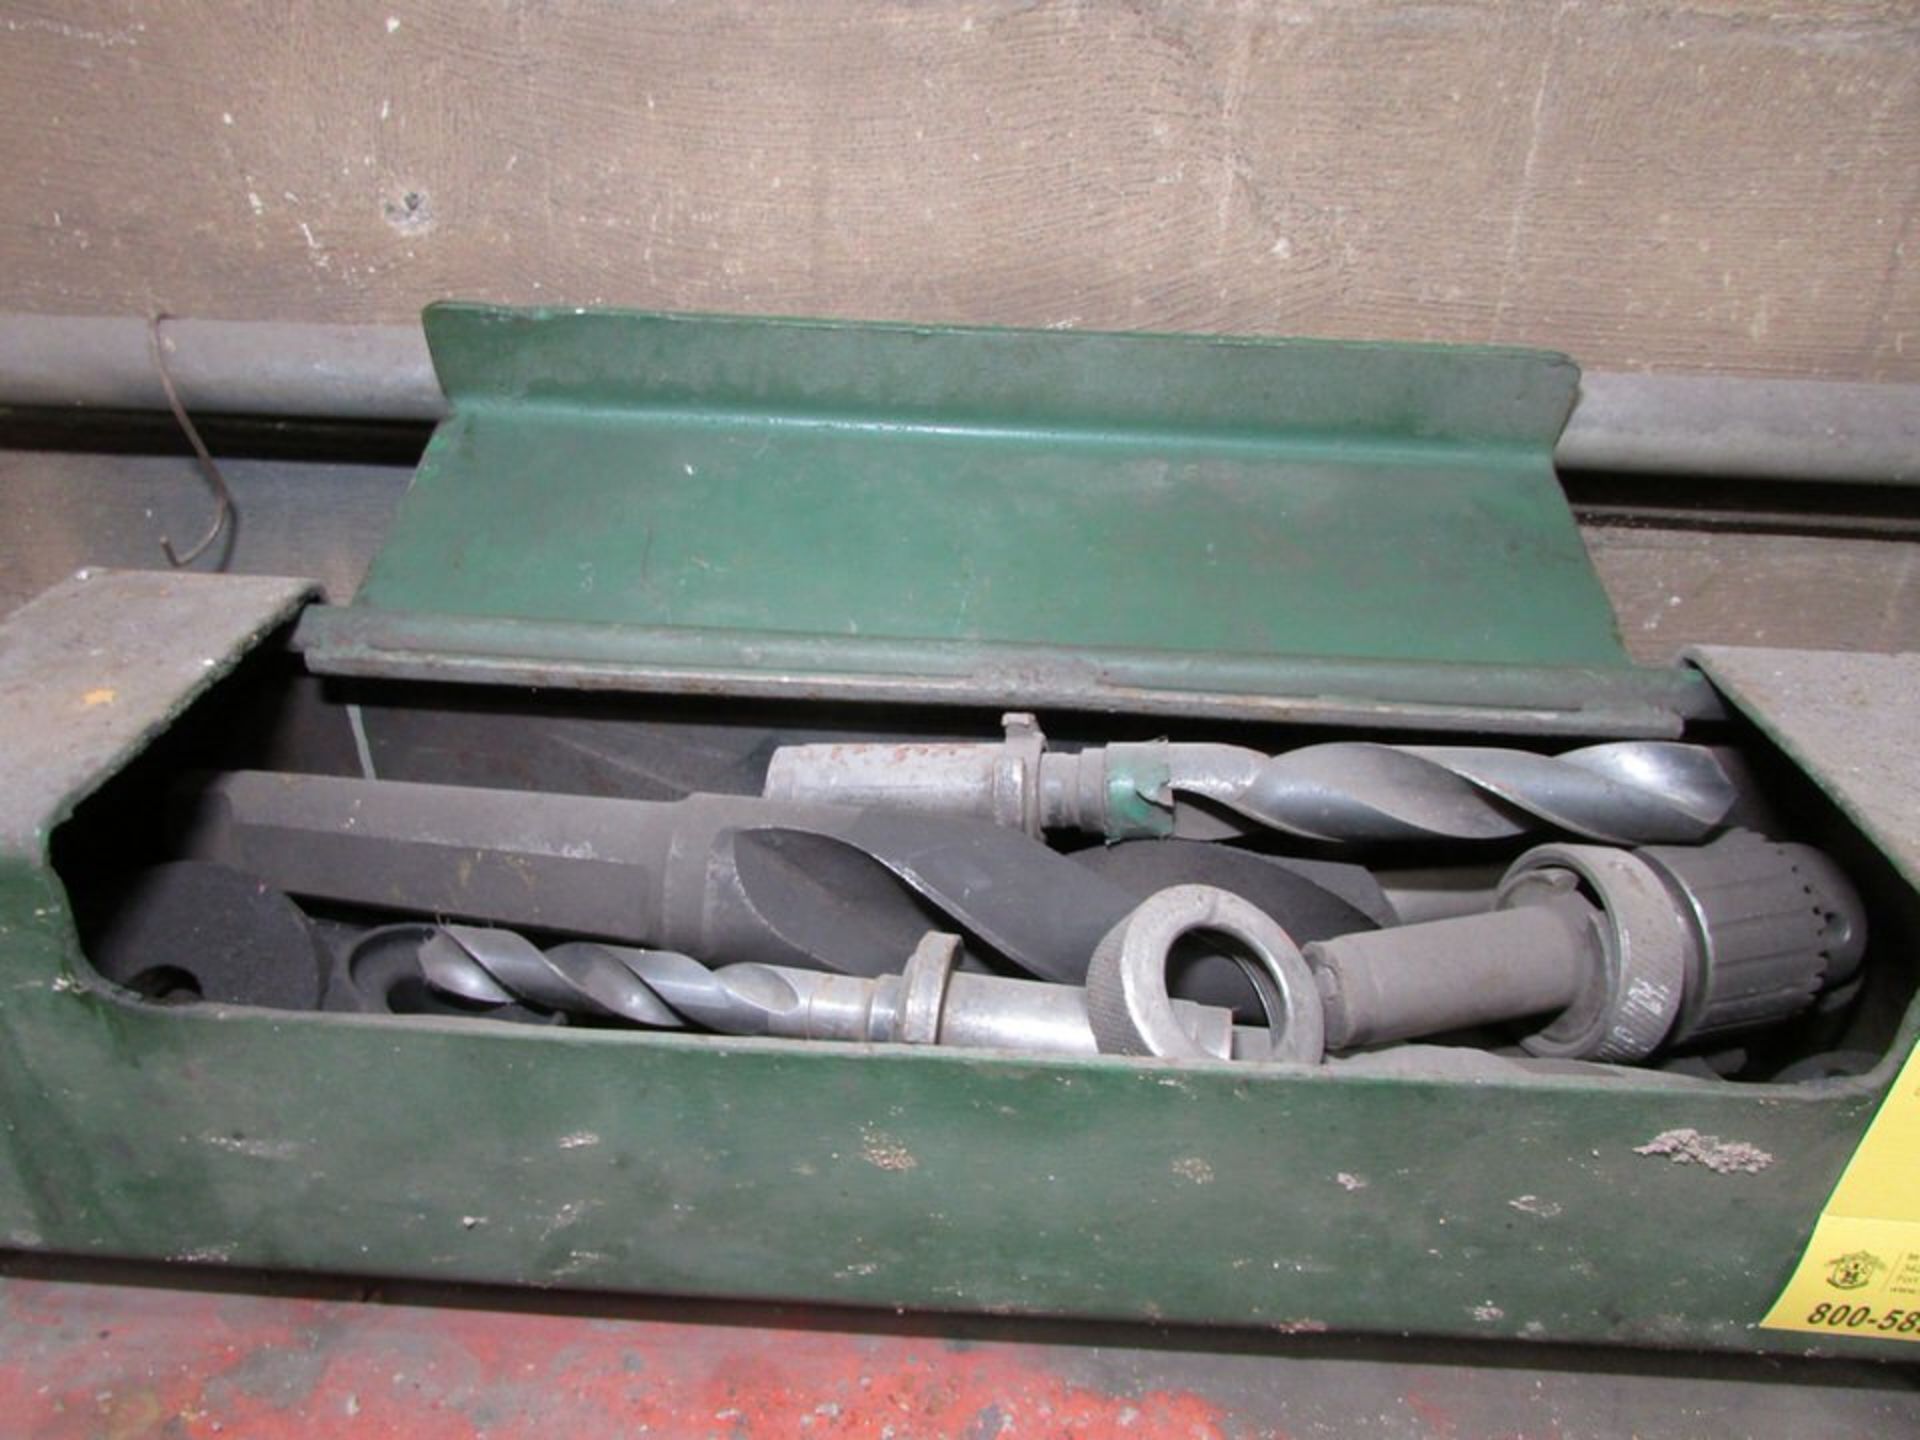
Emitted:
<point x="1622" y="952"/>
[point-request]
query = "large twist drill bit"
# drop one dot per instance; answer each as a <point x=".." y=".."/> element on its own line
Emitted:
<point x="717" y="877"/>
<point x="1625" y="792"/>
<point x="927" y="1003"/>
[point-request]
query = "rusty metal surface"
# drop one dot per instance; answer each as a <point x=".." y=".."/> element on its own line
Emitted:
<point x="116" y="1353"/>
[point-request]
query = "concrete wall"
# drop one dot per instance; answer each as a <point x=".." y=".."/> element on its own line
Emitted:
<point x="1709" y="185"/>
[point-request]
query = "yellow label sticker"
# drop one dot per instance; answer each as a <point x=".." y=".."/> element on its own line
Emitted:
<point x="1860" y="1274"/>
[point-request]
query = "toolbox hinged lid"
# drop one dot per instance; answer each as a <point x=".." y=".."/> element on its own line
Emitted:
<point x="1252" y="528"/>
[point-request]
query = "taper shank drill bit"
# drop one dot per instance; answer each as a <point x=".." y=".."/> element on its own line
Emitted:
<point x="719" y="877"/>
<point x="1625" y="792"/>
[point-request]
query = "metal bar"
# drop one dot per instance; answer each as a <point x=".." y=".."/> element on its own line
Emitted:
<point x="1614" y="702"/>
<point x="358" y="372"/>
<point x="1763" y="429"/>
<point x="1803" y="430"/>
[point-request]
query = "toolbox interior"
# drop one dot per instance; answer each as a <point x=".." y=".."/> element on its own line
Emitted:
<point x="272" y="715"/>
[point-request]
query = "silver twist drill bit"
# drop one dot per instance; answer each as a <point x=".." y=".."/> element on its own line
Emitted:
<point x="927" y="1003"/>
<point x="500" y="967"/>
<point x="1625" y="792"/>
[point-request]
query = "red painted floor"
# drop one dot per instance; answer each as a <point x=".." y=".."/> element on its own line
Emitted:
<point x="195" y="1365"/>
<point x="184" y="1354"/>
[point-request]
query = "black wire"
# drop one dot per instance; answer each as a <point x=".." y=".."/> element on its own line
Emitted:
<point x="223" y="496"/>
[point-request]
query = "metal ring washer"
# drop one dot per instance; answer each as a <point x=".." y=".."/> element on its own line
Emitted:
<point x="1643" y="944"/>
<point x="923" y="988"/>
<point x="1127" y="1000"/>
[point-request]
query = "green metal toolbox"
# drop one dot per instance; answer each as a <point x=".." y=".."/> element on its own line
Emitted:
<point x="635" y="523"/>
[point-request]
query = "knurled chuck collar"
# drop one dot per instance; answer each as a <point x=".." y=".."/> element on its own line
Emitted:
<point x="1639" y="946"/>
<point x="1769" y="927"/>
<point x="1692" y="941"/>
